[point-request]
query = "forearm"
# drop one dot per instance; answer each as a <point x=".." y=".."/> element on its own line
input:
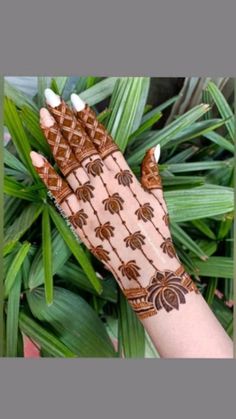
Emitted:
<point x="190" y="332"/>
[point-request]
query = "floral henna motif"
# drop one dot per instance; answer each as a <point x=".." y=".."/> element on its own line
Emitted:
<point x="168" y="247"/>
<point x="124" y="177"/>
<point x="95" y="167"/>
<point x="166" y="219"/>
<point x="84" y="192"/>
<point x="135" y="240"/>
<point x="145" y="212"/>
<point x="104" y="231"/>
<point x="100" y="253"/>
<point x="113" y="203"/>
<point x="78" y="219"/>
<point x="167" y="290"/>
<point x="130" y="269"/>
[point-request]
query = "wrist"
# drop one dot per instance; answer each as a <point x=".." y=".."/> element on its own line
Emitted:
<point x="166" y="290"/>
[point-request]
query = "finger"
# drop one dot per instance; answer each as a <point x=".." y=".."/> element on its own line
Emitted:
<point x="63" y="155"/>
<point x="67" y="201"/>
<point x="151" y="179"/>
<point x="107" y="148"/>
<point x="60" y="191"/>
<point x="72" y="130"/>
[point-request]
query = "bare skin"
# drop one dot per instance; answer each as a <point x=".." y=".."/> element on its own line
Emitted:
<point x="125" y="224"/>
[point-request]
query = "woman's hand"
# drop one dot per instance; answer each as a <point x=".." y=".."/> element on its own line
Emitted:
<point x="122" y="222"/>
<point x="125" y="225"/>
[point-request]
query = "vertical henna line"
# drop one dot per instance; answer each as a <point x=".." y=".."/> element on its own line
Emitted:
<point x="157" y="229"/>
<point x="134" y="195"/>
<point x="76" y="177"/>
<point x="159" y="202"/>
<point x="100" y="223"/>
<point x="123" y="221"/>
<point x="141" y="249"/>
<point x="92" y="246"/>
<point x="121" y="261"/>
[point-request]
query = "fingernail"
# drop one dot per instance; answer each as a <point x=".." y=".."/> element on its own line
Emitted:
<point x="51" y="98"/>
<point x="37" y="159"/>
<point x="46" y="119"/>
<point x="77" y="102"/>
<point x="157" y="152"/>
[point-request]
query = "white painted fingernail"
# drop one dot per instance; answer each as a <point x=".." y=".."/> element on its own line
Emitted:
<point x="157" y="153"/>
<point x="52" y="98"/>
<point x="37" y="159"/>
<point x="77" y="102"/>
<point x="46" y="119"/>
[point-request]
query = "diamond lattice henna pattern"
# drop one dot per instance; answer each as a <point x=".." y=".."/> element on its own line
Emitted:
<point x="124" y="177"/>
<point x="150" y="173"/>
<point x="56" y="185"/>
<point x="73" y="131"/>
<point x="84" y="192"/>
<point x="168" y="247"/>
<point x="104" y="231"/>
<point x="97" y="132"/>
<point x="61" y="150"/>
<point x="145" y="212"/>
<point x="95" y="167"/>
<point x="78" y="219"/>
<point x="113" y="203"/>
<point x="135" y="240"/>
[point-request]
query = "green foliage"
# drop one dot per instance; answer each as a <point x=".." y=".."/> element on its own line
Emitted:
<point x="64" y="306"/>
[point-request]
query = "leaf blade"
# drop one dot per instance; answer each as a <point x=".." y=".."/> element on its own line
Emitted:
<point x="15" y="267"/>
<point x="47" y="256"/>
<point x="76" y="249"/>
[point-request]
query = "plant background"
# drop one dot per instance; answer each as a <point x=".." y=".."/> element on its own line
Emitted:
<point x="53" y="291"/>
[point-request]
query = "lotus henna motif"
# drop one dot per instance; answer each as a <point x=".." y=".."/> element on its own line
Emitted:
<point x="100" y="253"/>
<point x="95" y="167"/>
<point x="124" y="177"/>
<point x="113" y="203"/>
<point x="78" y="219"/>
<point x="135" y="240"/>
<point x="84" y="192"/>
<point x="104" y="231"/>
<point x="130" y="270"/>
<point x="145" y="212"/>
<point x="165" y="218"/>
<point x="166" y="291"/>
<point x="168" y="247"/>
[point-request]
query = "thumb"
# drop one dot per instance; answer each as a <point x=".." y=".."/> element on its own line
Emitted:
<point x="150" y="177"/>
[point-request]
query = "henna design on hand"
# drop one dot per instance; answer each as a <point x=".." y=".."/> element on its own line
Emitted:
<point x="166" y="290"/>
<point x="108" y="200"/>
<point x="97" y="132"/>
